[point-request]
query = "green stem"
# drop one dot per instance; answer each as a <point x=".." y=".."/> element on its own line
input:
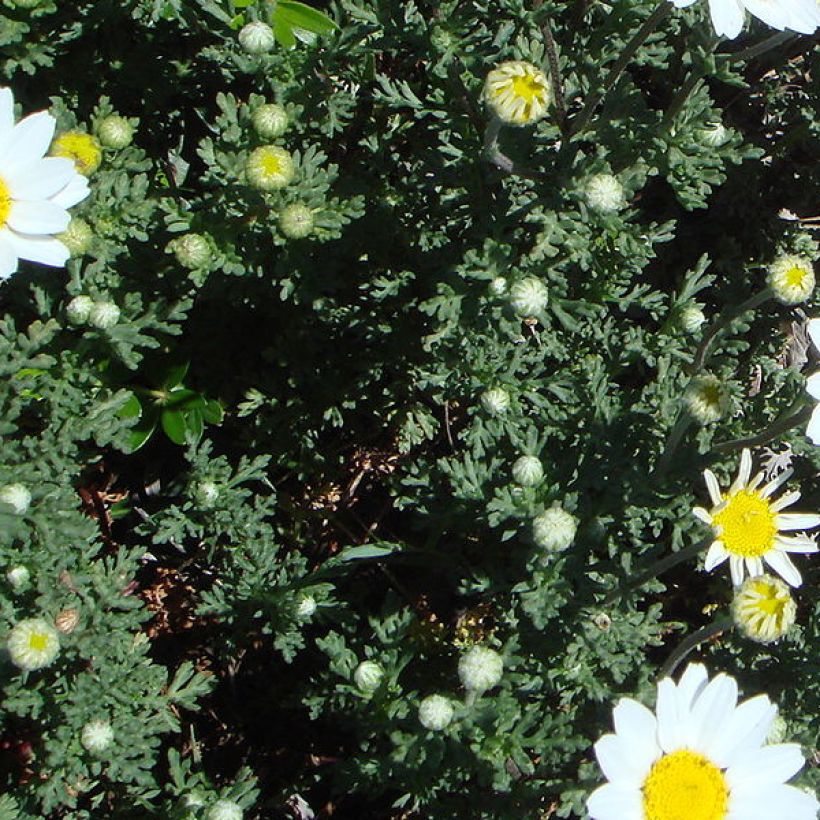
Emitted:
<point x="675" y="436"/>
<point x="494" y="155"/>
<point x="775" y="429"/>
<point x="761" y="48"/>
<point x="639" y="38"/>
<point x="691" y="643"/>
<point x="657" y="568"/>
<point x="721" y="323"/>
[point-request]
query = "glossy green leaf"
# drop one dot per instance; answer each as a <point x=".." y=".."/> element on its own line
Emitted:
<point x="173" y="423"/>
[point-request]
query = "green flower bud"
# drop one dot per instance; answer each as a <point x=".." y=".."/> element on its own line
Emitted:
<point x="495" y="401"/>
<point x="554" y="530"/>
<point x="707" y="399"/>
<point x="527" y="471"/>
<point x="368" y="676"/>
<point x="225" y="810"/>
<point x="529" y="297"/>
<point x="604" y="193"/>
<point x="115" y="132"/>
<point x="269" y="121"/>
<point x="498" y="287"/>
<point x="77" y="237"/>
<point x="296" y="221"/>
<point x="103" y="315"/>
<point x="206" y="493"/>
<point x="691" y="318"/>
<point x="15" y="499"/>
<point x="480" y="669"/>
<point x="305" y="607"/>
<point x="97" y="736"/>
<point x="18" y="577"/>
<point x="436" y="713"/>
<point x="257" y="38"/>
<point x="192" y="250"/>
<point x="78" y="309"/>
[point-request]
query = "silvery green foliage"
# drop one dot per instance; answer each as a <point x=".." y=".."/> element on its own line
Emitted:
<point x="380" y="374"/>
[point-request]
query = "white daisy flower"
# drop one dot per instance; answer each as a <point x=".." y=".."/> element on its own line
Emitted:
<point x="749" y="526"/>
<point x="35" y="190"/>
<point x="700" y="756"/>
<point x="728" y="15"/>
<point x="813" y="385"/>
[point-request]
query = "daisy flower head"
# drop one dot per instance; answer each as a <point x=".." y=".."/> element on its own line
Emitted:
<point x="35" y="191"/>
<point x="750" y="527"/>
<point x="763" y="608"/>
<point x="813" y="385"/>
<point x="699" y="756"/>
<point x="728" y="16"/>
<point x="791" y="279"/>
<point x="517" y="92"/>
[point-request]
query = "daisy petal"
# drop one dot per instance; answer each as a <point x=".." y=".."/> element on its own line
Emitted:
<point x="682" y="4"/>
<point x="701" y="514"/>
<point x="615" y="802"/>
<point x="772" y="14"/>
<point x="813" y="329"/>
<point x="736" y="568"/>
<point x="769" y="764"/>
<point x="716" y="556"/>
<point x="711" y="711"/>
<point x="37" y="217"/>
<point x="744" y="473"/>
<point x="76" y="191"/>
<point x="670" y="725"/>
<point x="616" y="761"/>
<point x="27" y="142"/>
<point x="796" y="543"/>
<point x="754" y="567"/>
<point x="6" y="111"/>
<point x="636" y="726"/>
<point x="797" y="521"/>
<point x="776" y="482"/>
<point x="785" y="500"/>
<point x="713" y="487"/>
<point x="8" y="258"/>
<point x="783" y="566"/>
<point x="747" y="729"/>
<point x="813" y="385"/>
<point x="813" y="430"/>
<point x="43" y="249"/>
<point x="40" y="180"/>
<point x="691" y="684"/>
<point x="775" y="801"/>
<point x="727" y="17"/>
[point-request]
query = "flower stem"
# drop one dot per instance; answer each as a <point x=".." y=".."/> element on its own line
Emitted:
<point x="650" y="24"/>
<point x="691" y="643"/>
<point x="775" y="429"/>
<point x="675" y="436"/>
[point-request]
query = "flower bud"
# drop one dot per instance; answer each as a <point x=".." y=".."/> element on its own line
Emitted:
<point x="604" y="193"/>
<point x="269" y="121"/>
<point x="103" y="315"/>
<point x="78" y="309"/>
<point x="691" y="318"/>
<point x="25" y="4"/>
<point x="763" y="608"/>
<point x="83" y="149"/>
<point x="495" y="401"/>
<point x="18" y="577"/>
<point x="706" y="398"/>
<point x="296" y="221"/>
<point x="305" y="607"/>
<point x="77" y="237"/>
<point x="436" y="712"/>
<point x="15" y="499"/>
<point x="498" y="287"/>
<point x="270" y="168"/>
<point x="257" y="38"/>
<point x="791" y="279"/>
<point x="527" y="471"/>
<point x="33" y="644"/>
<point x="115" y="132"/>
<point x="368" y="676"/>
<point x="192" y="250"/>
<point x="517" y="92"/>
<point x="529" y="297"/>
<point x="480" y="669"/>
<point x="206" y="493"/>
<point x="225" y="810"/>
<point x="97" y="736"/>
<point x="554" y="530"/>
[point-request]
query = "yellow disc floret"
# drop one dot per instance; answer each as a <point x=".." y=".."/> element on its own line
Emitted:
<point x="685" y="786"/>
<point x="517" y="92"/>
<point x="5" y="202"/>
<point x="764" y="609"/>
<point x="82" y="149"/>
<point x="791" y="279"/>
<point x="746" y="524"/>
<point x="270" y="168"/>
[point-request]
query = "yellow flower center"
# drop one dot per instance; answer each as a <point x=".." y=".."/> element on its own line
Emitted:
<point x="795" y="276"/>
<point x="38" y="642"/>
<point x="271" y="164"/>
<point x="685" y="786"/>
<point x="527" y="87"/>
<point x="747" y="524"/>
<point x="5" y="202"/>
<point x="773" y="601"/>
<point x="82" y="149"/>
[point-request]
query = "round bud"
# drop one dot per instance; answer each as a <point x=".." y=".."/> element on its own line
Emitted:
<point x="707" y="398"/>
<point x="103" y="315"/>
<point x="527" y="471"/>
<point x="192" y="250"/>
<point x="529" y="297"/>
<point x="25" y="4"/>
<point x="498" y="287"/>
<point x="257" y="38"/>
<point x="368" y="676"/>
<point x="691" y="319"/>
<point x="77" y="236"/>
<point x="554" y="530"/>
<point x="78" y="309"/>
<point x="15" y="499"/>
<point x="18" y="577"/>
<point x="206" y="493"/>
<point x="97" y="736"/>
<point x="269" y="121"/>
<point x="270" y="168"/>
<point x="480" y="668"/>
<point x="763" y="608"/>
<point x="305" y="607"/>
<point x="296" y="221"/>
<point x="33" y="644"/>
<point x="435" y="712"/>
<point x="495" y="401"/>
<point x="225" y="810"/>
<point x="115" y="132"/>
<point x="791" y="279"/>
<point x="604" y="193"/>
